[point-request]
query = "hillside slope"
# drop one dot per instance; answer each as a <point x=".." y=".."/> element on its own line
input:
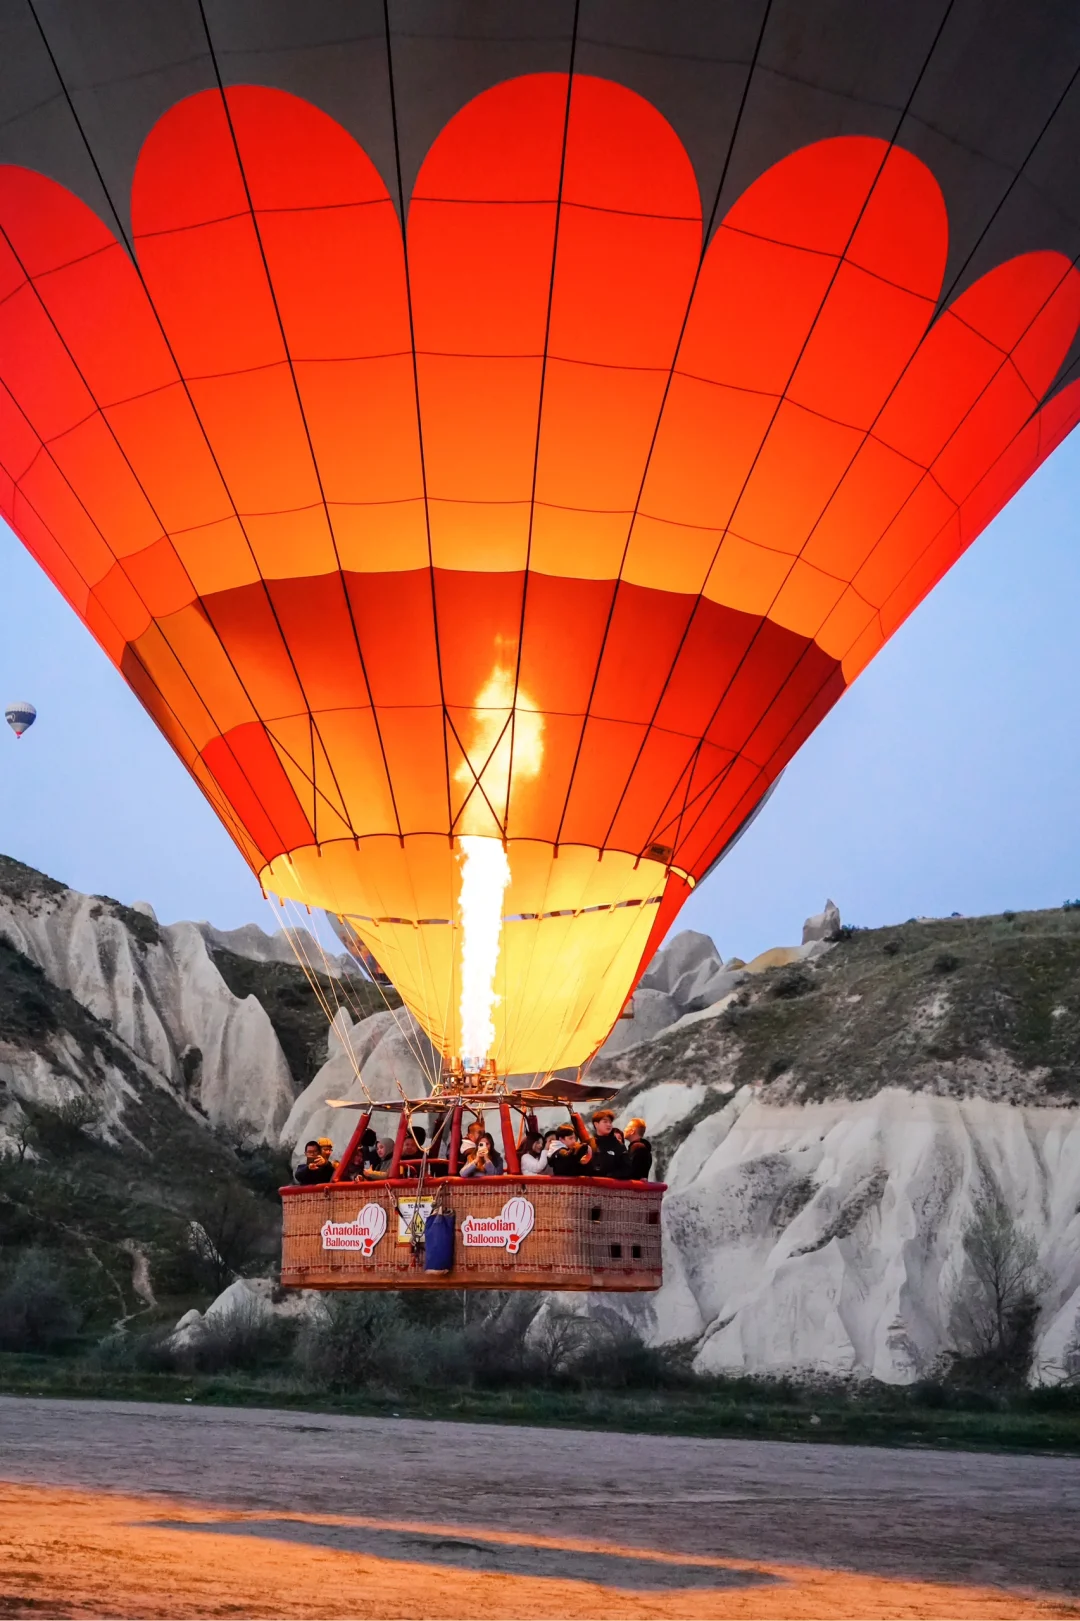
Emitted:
<point x="829" y="1130"/>
<point x="960" y="1007"/>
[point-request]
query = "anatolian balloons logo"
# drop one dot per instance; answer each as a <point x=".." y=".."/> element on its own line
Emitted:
<point x="508" y="1230"/>
<point x="362" y="1234"/>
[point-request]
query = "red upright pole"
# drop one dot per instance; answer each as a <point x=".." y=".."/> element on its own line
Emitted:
<point x="510" y="1151"/>
<point x="455" y="1141"/>
<point x="399" y="1144"/>
<point x="346" y="1159"/>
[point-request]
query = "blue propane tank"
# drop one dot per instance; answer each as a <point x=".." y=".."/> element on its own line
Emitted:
<point x="439" y="1242"/>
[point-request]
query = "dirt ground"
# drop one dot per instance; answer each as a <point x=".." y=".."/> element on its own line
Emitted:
<point x="129" y="1510"/>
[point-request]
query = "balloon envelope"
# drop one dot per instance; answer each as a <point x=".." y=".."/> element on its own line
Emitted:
<point x="20" y="717"/>
<point x="526" y="440"/>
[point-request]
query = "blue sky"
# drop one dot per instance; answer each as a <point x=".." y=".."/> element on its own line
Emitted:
<point x="947" y="779"/>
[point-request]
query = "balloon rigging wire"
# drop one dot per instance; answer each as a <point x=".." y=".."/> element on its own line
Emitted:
<point x="413" y="1038"/>
<point x="340" y="984"/>
<point x="292" y="935"/>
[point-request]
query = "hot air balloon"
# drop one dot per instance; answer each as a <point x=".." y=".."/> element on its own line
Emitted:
<point x="20" y="717"/>
<point x="489" y="442"/>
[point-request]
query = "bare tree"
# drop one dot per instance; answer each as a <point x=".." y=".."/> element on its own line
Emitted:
<point x="994" y="1319"/>
<point x="230" y="1233"/>
<point x="23" y="1133"/>
<point x="555" y="1339"/>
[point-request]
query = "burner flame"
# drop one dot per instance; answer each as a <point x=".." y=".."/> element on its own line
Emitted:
<point x="507" y="748"/>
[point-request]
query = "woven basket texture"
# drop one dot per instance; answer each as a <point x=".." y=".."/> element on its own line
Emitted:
<point x="587" y="1234"/>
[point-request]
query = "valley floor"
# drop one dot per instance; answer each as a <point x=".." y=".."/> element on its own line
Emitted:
<point x="138" y="1509"/>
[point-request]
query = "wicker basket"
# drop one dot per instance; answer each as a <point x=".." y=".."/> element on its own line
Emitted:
<point x="587" y="1234"/>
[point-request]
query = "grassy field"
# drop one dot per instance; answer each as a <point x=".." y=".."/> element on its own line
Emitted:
<point x="926" y="1416"/>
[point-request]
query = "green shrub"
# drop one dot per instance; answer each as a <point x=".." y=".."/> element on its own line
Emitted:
<point x="350" y="1342"/>
<point x="612" y="1354"/>
<point x="245" y="1336"/>
<point x="37" y="1312"/>
<point x="232" y="1235"/>
<point x="61" y="1129"/>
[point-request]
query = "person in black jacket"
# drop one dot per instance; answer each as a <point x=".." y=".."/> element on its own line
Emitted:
<point x="317" y="1166"/>
<point x="638" y="1151"/>
<point x="608" y="1156"/>
<point x="415" y="1138"/>
<point x="568" y="1157"/>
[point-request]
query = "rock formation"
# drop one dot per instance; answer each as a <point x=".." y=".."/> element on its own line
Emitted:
<point x="823" y="925"/>
<point x="156" y="1001"/>
<point x="283" y="946"/>
<point x="827" y="1116"/>
<point x="828" y="1131"/>
<point x="828" y="1238"/>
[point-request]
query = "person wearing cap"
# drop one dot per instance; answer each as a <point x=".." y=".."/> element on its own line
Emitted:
<point x="608" y="1156"/>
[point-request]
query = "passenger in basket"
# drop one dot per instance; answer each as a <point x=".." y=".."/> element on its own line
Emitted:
<point x="369" y="1151"/>
<point x="609" y="1156"/>
<point x="485" y="1161"/>
<point x="569" y="1157"/>
<point x="638" y="1150"/>
<point x="534" y="1157"/>
<point x="317" y="1166"/>
<point x="384" y="1150"/>
<point x="415" y="1139"/>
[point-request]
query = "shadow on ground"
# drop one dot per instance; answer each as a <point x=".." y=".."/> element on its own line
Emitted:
<point x="469" y="1553"/>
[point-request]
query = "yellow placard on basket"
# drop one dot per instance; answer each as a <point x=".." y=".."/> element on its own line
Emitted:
<point x="407" y="1212"/>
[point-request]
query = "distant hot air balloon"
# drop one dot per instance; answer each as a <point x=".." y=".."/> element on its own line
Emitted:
<point x="20" y="717"/>
<point x="486" y="576"/>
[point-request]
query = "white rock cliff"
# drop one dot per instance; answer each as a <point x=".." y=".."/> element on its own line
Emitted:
<point x="827" y="1238"/>
<point x="157" y="991"/>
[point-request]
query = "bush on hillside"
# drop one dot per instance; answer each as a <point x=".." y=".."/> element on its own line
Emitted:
<point x="499" y="1341"/>
<point x="613" y="1354"/>
<point x="244" y="1338"/>
<point x="37" y="1312"/>
<point x="232" y="1234"/>
<point x="58" y="1130"/>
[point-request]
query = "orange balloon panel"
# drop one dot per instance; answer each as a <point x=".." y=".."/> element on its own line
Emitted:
<point x="541" y="520"/>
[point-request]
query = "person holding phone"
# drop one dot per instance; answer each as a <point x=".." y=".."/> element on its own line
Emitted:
<point x="487" y="1161"/>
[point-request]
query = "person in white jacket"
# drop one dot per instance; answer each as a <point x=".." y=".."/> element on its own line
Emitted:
<point x="534" y="1158"/>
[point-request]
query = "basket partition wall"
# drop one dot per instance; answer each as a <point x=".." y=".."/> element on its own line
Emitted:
<point x="510" y="1232"/>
